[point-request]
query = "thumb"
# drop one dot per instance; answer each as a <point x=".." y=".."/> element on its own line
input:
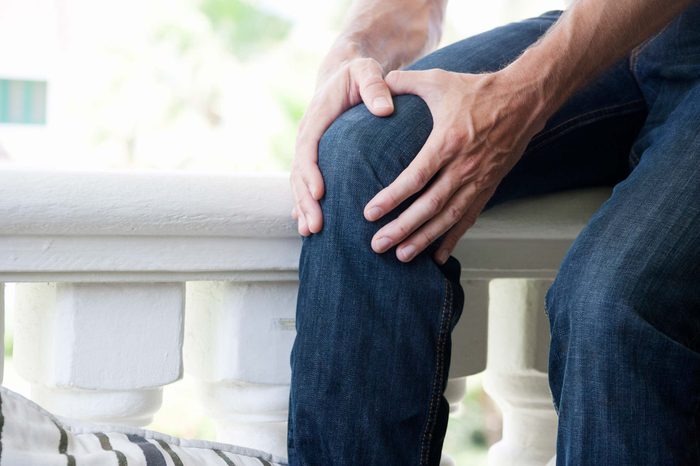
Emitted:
<point x="373" y="90"/>
<point x="412" y="82"/>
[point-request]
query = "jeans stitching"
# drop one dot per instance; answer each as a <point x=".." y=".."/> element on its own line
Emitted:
<point x="581" y="120"/>
<point x="437" y="380"/>
<point x="634" y="58"/>
<point x="549" y="318"/>
<point x="633" y="61"/>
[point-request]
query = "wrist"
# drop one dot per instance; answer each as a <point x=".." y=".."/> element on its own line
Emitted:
<point x="533" y="89"/>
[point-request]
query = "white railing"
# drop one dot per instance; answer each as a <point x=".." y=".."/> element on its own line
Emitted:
<point x="116" y="273"/>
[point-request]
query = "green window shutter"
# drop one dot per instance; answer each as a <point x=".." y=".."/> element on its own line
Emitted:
<point x="22" y="102"/>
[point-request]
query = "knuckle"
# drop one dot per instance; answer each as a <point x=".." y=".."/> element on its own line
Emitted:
<point x="390" y="200"/>
<point x="454" y="139"/>
<point x="454" y="214"/>
<point x="421" y="176"/>
<point x="374" y="84"/>
<point x="455" y="181"/>
<point x="480" y="183"/>
<point x="467" y="169"/>
<point x="403" y="230"/>
<point x="366" y="65"/>
<point x="428" y="236"/>
<point x="435" y="203"/>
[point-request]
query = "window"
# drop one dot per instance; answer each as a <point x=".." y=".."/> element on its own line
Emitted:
<point x="22" y="102"/>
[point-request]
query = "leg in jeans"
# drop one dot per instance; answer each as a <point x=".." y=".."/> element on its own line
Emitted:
<point x="370" y="359"/>
<point x="625" y="307"/>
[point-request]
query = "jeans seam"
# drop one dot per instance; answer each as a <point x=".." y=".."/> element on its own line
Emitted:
<point x="581" y="120"/>
<point x="549" y="319"/>
<point x="633" y="60"/>
<point x="437" y="379"/>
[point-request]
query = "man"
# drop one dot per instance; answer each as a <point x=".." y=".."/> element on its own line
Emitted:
<point x="607" y="93"/>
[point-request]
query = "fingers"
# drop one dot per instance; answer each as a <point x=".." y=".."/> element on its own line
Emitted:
<point x="374" y="91"/>
<point x="308" y="210"/>
<point x="423" y="167"/>
<point x="302" y="227"/>
<point x="429" y="204"/>
<point x="313" y="179"/>
<point x="449" y="242"/>
<point x="306" y="179"/>
<point x="440" y="223"/>
<point x="323" y="109"/>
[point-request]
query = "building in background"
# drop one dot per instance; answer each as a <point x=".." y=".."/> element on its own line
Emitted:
<point x="27" y="53"/>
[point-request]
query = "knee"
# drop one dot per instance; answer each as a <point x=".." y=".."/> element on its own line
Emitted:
<point x="360" y="153"/>
<point x="594" y="298"/>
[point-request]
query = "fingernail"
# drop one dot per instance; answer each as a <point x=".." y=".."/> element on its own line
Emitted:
<point x="442" y="255"/>
<point x="381" y="102"/>
<point x="308" y="221"/>
<point x="374" y="213"/>
<point x="407" y="252"/>
<point x="312" y="190"/>
<point x="382" y="244"/>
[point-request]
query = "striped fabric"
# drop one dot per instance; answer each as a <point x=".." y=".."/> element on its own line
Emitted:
<point x="30" y="436"/>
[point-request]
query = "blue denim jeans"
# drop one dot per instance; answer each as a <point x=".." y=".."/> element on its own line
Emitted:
<point x="370" y="359"/>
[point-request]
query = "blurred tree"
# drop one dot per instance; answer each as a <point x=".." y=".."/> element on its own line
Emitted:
<point x="245" y="29"/>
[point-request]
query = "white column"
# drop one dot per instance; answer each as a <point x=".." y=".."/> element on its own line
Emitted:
<point x="516" y="375"/>
<point x="470" y="335"/>
<point x="468" y="346"/>
<point x="99" y="351"/>
<point x="238" y="339"/>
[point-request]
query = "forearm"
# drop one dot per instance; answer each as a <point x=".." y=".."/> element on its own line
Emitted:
<point x="589" y="37"/>
<point x="393" y="32"/>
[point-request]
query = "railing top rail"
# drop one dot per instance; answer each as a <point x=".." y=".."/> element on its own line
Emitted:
<point x="93" y="226"/>
<point x="40" y="202"/>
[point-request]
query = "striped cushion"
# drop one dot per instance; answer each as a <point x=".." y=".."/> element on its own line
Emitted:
<point x="31" y="436"/>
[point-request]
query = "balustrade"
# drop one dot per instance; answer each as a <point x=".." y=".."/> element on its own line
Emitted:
<point x="116" y="273"/>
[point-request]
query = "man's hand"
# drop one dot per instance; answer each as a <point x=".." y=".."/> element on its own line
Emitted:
<point x="482" y="123"/>
<point x="481" y="126"/>
<point x="380" y="35"/>
<point x="356" y="80"/>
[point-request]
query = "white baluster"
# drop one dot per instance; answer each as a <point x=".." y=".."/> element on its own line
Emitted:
<point x="516" y="375"/>
<point x="99" y="351"/>
<point x="238" y="339"/>
<point x="454" y="393"/>
<point x="468" y="346"/>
